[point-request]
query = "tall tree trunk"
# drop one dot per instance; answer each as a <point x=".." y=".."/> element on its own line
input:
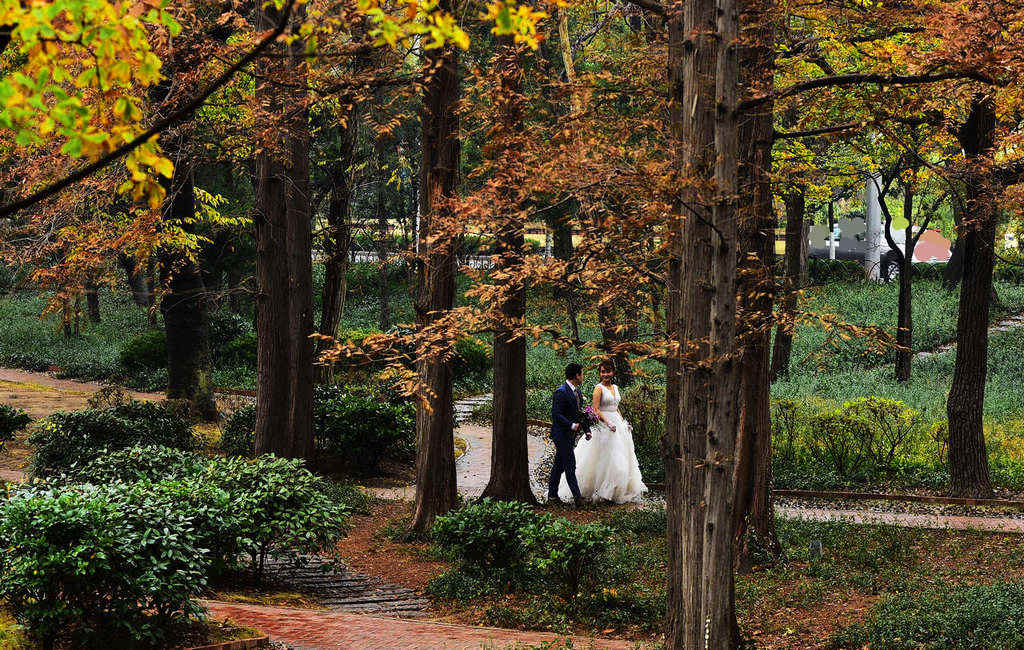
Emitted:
<point x="382" y="238"/>
<point x="439" y="169"/>
<point x="136" y="278"/>
<point x="510" y="467"/>
<point x="284" y="391"/>
<point x="968" y="460"/>
<point x="754" y="517"/>
<point x="717" y="608"/>
<point x="184" y="306"/>
<point x="92" y="301"/>
<point x="904" y="315"/>
<point x="338" y="237"/>
<point x="783" y="348"/>
<point x="692" y="118"/>
<point x="611" y="336"/>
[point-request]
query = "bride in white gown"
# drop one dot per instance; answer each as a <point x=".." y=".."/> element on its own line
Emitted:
<point x="606" y="464"/>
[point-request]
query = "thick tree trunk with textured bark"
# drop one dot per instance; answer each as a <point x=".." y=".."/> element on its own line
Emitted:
<point x="439" y="170"/>
<point x="692" y="118"/>
<point x="968" y="460"/>
<point x="754" y="517"/>
<point x="284" y="390"/>
<point x="510" y="468"/>
<point x="795" y="239"/>
<point x="717" y="608"/>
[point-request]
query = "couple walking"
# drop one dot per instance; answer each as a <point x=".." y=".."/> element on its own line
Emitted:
<point x="603" y="464"/>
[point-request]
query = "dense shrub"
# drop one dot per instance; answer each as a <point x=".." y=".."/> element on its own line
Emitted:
<point x="134" y="464"/>
<point x="1009" y="267"/>
<point x="99" y="567"/>
<point x="487" y="537"/>
<point x="238" y="436"/>
<point x="565" y="552"/>
<point x="225" y="326"/>
<point x="12" y="420"/>
<point x="983" y="616"/>
<point x="64" y="438"/>
<point x="641" y="521"/>
<point x="283" y="510"/>
<point x="362" y="426"/>
<point x="868" y="439"/>
<point x="240" y="351"/>
<point x="472" y="358"/>
<point x="824" y="271"/>
<point x="146" y="351"/>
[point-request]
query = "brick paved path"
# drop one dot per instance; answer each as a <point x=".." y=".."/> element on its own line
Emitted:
<point x="335" y="630"/>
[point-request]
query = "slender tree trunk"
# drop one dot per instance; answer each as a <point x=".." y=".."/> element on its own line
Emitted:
<point x="136" y="280"/>
<point x="338" y="237"/>
<point x="754" y="517"/>
<point x="184" y="307"/>
<point x="284" y="391"/>
<point x="904" y="315"/>
<point x="92" y="301"/>
<point x="382" y="239"/>
<point x="968" y="460"/>
<point x="439" y="169"/>
<point x="692" y="90"/>
<point x="794" y="202"/>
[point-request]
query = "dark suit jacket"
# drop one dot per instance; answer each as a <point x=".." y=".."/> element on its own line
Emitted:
<point x="565" y="412"/>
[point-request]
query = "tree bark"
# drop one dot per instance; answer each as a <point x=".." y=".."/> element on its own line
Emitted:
<point x="382" y="238"/>
<point x="968" y="460"/>
<point x="754" y="517"/>
<point x="439" y="170"/>
<point x="783" y="347"/>
<point x="184" y="305"/>
<point x="338" y="236"/>
<point x="284" y="391"/>
<point x="510" y="468"/>
<point x="136" y="278"/>
<point x="692" y="117"/>
<point x="717" y="607"/>
<point x="904" y="314"/>
<point x="92" y="301"/>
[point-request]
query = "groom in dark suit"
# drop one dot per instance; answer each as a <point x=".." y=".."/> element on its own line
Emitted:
<point x="566" y="419"/>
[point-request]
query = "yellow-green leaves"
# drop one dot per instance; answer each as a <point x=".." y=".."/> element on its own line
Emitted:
<point x="82" y="65"/>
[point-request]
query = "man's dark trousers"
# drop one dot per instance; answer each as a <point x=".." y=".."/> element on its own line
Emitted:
<point x="565" y="408"/>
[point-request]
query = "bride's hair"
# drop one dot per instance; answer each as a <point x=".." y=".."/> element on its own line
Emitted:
<point x="606" y="364"/>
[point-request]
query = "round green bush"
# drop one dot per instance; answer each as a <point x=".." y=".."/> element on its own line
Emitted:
<point x="95" y="566"/>
<point x="486" y="537"/>
<point x="283" y="509"/>
<point x="65" y="439"/>
<point x="147" y="351"/>
<point x="362" y="426"/>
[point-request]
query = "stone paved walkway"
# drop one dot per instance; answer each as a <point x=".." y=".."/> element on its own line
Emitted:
<point x="1002" y="325"/>
<point x="907" y="520"/>
<point x="301" y="628"/>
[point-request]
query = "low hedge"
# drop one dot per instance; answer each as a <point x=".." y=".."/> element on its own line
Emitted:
<point x="65" y="439"/>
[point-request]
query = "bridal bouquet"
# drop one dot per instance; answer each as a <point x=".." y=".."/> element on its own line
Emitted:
<point x="591" y="414"/>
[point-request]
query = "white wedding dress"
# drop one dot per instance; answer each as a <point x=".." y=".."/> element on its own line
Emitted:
<point x="606" y="465"/>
